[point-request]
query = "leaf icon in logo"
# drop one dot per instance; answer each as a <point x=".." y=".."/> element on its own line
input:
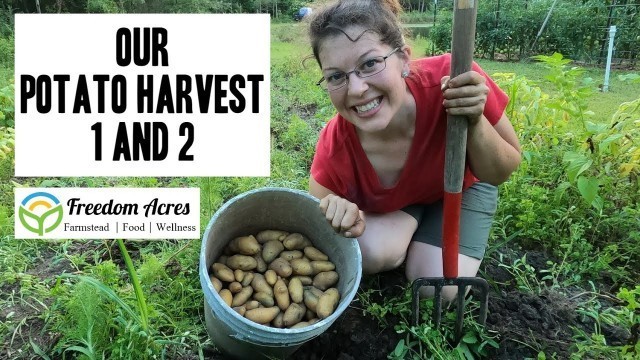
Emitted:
<point x="55" y="213"/>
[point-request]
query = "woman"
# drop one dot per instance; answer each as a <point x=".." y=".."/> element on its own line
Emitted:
<point x="379" y="163"/>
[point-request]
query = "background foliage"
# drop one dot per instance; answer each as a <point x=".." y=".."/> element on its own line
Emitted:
<point x="575" y="196"/>
<point x="508" y="29"/>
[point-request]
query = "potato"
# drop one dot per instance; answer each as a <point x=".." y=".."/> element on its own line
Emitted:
<point x="318" y="266"/>
<point x="262" y="266"/>
<point x="268" y="235"/>
<point x="271" y="250"/>
<point x="301" y="267"/>
<point x="252" y="304"/>
<point x="305" y="280"/>
<point x="271" y="277"/>
<point x="238" y="274"/>
<point x="317" y="292"/>
<point x="309" y="315"/>
<point x="315" y="254"/>
<point x="291" y="254"/>
<point x="223" y="259"/>
<point x="296" y="241"/>
<point x="222" y="272"/>
<point x="281" y="267"/>
<point x="313" y="321"/>
<point x="295" y="290"/>
<point x="325" y="279"/>
<point x="245" y="245"/>
<point x="248" y="278"/>
<point x="264" y="299"/>
<point x="262" y="315"/>
<point x="327" y="303"/>
<point x="226" y="296"/>
<point x="242" y="262"/>
<point x="300" y="325"/>
<point x="240" y="310"/>
<point x="277" y="322"/>
<point x="310" y="299"/>
<point x="242" y="297"/>
<point x="293" y="314"/>
<point x="259" y="284"/>
<point x="281" y="293"/>
<point x="217" y="284"/>
<point x="235" y="287"/>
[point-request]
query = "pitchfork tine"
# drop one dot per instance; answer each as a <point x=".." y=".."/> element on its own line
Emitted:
<point x="460" y="312"/>
<point x="462" y="283"/>
<point x="437" y="305"/>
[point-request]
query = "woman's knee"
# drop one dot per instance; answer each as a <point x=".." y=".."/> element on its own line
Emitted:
<point x="425" y="260"/>
<point x="376" y="259"/>
<point x="385" y="241"/>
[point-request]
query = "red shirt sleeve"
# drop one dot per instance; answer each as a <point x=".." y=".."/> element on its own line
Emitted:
<point x="322" y="167"/>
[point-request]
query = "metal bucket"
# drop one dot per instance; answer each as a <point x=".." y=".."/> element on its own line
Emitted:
<point x="249" y="213"/>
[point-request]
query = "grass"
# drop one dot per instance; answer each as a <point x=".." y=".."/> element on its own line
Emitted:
<point x="604" y="104"/>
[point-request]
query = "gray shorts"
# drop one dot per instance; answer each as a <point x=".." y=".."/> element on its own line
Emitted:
<point x="479" y="204"/>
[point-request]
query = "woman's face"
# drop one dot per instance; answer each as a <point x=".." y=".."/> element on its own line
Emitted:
<point x="369" y="103"/>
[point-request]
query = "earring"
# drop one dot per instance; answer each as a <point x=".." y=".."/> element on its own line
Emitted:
<point x="405" y="74"/>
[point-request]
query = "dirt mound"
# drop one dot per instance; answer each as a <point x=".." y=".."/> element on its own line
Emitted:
<point x="352" y="336"/>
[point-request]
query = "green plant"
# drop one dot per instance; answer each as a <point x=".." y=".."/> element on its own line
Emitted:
<point x="524" y="275"/>
<point x="424" y="340"/>
<point x="7" y="44"/>
<point x="136" y="339"/>
<point x="628" y="317"/>
<point x="7" y="106"/>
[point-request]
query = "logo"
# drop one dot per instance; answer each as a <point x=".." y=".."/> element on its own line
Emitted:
<point x="40" y="213"/>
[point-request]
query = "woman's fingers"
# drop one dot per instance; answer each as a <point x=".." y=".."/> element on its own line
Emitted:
<point x="339" y="216"/>
<point x="465" y="95"/>
<point x="358" y="227"/>
<point x="467" y="78"/>
<point x="343" y="215"/>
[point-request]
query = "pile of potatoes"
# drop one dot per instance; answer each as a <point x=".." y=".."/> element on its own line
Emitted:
<point x="276" y="279"/>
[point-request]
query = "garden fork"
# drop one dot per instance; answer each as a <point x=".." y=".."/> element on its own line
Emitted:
<point x="464" y="23"/>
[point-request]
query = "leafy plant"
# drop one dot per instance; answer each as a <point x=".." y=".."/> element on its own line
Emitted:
<point x="426" y="341"/>
<point x="135" y="338"/>
<point x="524" y="275"/>
<point x="7" y="106"/>
<point x="628" y="317"/>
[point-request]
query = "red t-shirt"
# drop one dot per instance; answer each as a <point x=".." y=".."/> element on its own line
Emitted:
<point x="341" y="165"/>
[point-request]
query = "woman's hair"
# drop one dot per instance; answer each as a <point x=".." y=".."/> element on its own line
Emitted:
<point x="378" y="16"/>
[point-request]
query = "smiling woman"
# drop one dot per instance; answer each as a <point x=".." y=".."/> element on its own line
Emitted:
<point x="378" y="166"/>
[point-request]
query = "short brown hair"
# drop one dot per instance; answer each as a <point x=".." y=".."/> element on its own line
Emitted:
<point x="378" y="16"/>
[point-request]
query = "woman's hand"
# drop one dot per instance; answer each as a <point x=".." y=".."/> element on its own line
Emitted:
<point x="345" y="216"/>
<point x="466" y="95"/>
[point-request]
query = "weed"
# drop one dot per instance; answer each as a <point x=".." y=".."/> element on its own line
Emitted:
<point x="524" y="275"/>
<point x="425" y="341"/>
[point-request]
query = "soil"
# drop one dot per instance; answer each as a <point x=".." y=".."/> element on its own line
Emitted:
<point x="544" y="322"/>
<point x="526" y="323"/>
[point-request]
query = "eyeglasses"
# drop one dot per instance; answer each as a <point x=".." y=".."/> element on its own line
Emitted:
<point x="365" y="69"/>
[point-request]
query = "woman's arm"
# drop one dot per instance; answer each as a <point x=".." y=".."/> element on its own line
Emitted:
<point x="493" y="151"/>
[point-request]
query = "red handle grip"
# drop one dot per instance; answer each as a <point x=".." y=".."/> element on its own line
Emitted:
<point x="451" y="233"/>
